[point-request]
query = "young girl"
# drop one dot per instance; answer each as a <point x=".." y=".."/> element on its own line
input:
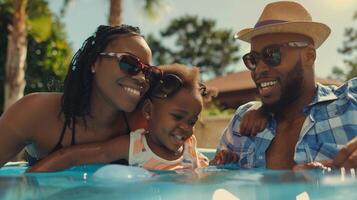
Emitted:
<point x="171" y="110"/>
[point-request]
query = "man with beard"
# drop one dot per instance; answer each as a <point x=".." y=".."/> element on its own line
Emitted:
<point x="306" y="121"/>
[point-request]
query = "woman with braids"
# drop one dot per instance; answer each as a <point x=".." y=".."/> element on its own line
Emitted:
<point x="106" y="79"/>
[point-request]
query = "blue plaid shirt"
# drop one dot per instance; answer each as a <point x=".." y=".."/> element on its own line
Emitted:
<point x="330" y="123"/>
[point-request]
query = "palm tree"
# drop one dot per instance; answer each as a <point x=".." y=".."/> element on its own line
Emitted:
<point x="115" y="14"/>
<point x="16" y="54"/>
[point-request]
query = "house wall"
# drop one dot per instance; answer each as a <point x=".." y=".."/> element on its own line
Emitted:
<point x="234" y="99"/>
<point x="209" y="129"/>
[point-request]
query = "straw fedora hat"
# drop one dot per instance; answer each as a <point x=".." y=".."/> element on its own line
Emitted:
<point x="286" y="17"/>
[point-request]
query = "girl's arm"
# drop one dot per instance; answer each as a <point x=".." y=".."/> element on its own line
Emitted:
<point x="253" y="122"/>
<point x="101" y="152"/>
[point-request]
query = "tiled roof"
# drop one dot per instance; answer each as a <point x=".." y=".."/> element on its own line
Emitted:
<point x="243" y="81"/>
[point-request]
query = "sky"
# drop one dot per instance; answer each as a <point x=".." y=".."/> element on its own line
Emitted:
<point x="83" y="16"/>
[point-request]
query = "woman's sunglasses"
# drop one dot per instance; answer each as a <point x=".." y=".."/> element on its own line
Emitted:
<point x="270" y="55"/>
<point x="168" y="85"/>
<point x="129" y="64"/>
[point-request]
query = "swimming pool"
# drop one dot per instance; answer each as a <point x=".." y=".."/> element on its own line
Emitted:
<point x="122" y="182"/>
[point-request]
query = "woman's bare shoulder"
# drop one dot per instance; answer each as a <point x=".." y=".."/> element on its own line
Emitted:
<point x="40" y="101"/>
<point x="43" y="95"/>
<point x="29" y="113"/>
<point x="34" y="107"/>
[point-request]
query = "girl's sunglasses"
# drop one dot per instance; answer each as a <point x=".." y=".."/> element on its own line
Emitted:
<point x="129" y="64"/>
<point x="270" y="55"/>
<point x="168" y="85"/>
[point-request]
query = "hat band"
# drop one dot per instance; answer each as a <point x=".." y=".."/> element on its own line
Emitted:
<point x="268" y="22"/>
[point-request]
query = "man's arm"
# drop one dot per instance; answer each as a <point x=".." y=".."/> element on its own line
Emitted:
<point x="347" y="156"/>
<point x="224" y="157"/>
<point x="224" y="153"/>
<point x="102" y="152"/>
<point x="252" y="122"/>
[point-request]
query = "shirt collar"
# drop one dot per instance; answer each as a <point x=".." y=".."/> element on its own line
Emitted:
<point x="323" y="93"/>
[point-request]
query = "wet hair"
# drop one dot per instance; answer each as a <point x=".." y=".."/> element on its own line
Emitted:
<point x="77" y="87"/>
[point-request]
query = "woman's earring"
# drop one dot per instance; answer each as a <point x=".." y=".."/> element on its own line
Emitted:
<point x="147" y="117"/>
<point x="93" y="71"/>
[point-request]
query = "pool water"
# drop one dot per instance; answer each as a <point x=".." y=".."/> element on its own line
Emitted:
<point x="99" y="182"/>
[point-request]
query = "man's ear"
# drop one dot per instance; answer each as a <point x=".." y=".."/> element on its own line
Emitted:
<point x="309" y="55"/>
<point x="147" y="108"/>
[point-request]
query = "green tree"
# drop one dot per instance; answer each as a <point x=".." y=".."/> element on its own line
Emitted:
<point x="349" y="50"/>
<point x="196" y="42"/>
<point x="48" y="52"/>
<point x="48" y="60"/>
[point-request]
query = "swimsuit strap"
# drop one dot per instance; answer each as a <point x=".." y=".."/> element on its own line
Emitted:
<point x="59" y="143"/>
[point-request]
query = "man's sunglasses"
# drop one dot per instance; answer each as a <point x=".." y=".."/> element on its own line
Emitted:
<point x="270" y="55"/>
<point x="168" y="85"/>
<point x="129" y="64"/>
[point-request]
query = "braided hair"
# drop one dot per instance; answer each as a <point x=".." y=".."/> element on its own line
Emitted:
<point x="77" y="88"/>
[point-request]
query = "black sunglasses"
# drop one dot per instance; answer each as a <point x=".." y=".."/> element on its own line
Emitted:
<point x="168" y="85"/>
<point x="129" y="64"/>
<point x="270" y="55"/>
